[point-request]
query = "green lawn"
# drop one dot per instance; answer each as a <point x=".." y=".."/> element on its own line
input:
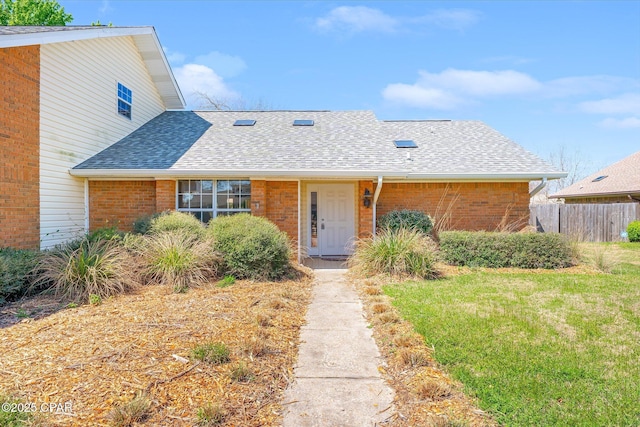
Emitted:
<point x="541" y="349"/>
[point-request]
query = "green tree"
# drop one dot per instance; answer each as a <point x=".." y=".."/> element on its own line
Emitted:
<point x="33" y="12"/>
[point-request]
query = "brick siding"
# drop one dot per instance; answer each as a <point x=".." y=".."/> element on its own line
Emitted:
<point x="20" y="147"/>
<point x="282" y="206"/>
<point x="473" y="206"/>
<point x="120" y="203"/>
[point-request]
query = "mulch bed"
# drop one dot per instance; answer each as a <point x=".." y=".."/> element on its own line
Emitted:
<point x="95" y="358"/>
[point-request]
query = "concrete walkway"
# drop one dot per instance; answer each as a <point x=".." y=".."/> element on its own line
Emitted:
<point x="337" y="382"/>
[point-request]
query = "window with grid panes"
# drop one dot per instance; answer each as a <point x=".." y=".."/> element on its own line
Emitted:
<point x="207" y="198"/>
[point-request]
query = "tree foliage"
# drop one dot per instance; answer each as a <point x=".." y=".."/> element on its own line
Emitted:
<point x="33" y="12"/>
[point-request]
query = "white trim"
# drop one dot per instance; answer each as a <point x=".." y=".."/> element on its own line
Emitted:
<point x="313" y="173"/>
<point x="86" y="205"/>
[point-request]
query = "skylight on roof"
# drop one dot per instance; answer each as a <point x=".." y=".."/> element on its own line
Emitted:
<point x="244" y="122"/>
<point x="600" y="178"/>
<point x="300" y="122"/>
<point x="405" y="143"/>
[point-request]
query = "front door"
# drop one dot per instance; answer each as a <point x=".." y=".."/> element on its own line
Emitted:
<point x="331" y="213"/>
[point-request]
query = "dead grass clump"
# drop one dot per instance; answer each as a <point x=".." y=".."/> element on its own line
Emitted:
<point x="277" y="303"/>
<point x="434" y="389"/>
<point x="254" y="347"/>
<point x="215" y="353"/>
<point x="380" y="308"/>
<point x="389" y="317"/>
<point x="241" y="373"/>
<point x="128" y="414"/>
<point x="211" y="415"/>
<point x="263" y="319"/>
<point x="372" y="290"/>
<point x="407" y="340"/>
<point x="413" y="357"/>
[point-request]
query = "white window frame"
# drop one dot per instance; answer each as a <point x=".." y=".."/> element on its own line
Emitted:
<point x="244" y="198"/>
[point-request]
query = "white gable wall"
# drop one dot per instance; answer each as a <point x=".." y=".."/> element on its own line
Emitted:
<point x="79" y="118"/>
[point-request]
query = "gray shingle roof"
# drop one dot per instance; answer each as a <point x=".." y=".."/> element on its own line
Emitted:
<point x="622" y="177"/>
<point x="33" y="29"/>
<point x="341" y="143"/>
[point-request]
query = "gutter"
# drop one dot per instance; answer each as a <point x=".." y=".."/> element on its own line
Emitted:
<point x="538" y="188"/>
<point x="375" y="202"/>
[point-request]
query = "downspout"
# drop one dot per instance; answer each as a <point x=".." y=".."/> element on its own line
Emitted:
<point x="375" y="202"/>
<point x="86" y="205"/>
<point x="538" y="188"/>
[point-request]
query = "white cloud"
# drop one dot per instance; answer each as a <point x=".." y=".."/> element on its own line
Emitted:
<point x="224" y="65"/>
<point x="423" y="97"/>
<point x="453" y="88"/>
<point x="357" y="19"/>
<point x="628" y="103"/>
<point x="452" y="19"/>
<point x="583" y="85"/>
<point x="105" y="7"/>
<point x="626" y="123"/>
<point x="196" y="79"/>
<point x="480" y="83"/>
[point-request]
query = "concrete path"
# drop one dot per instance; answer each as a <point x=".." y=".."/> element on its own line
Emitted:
<point x="337" y="382"/>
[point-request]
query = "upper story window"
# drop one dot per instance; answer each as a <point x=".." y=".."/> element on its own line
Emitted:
<point x="124" y="101"/>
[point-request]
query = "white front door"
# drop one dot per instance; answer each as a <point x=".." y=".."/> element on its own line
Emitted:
<point x="332" y="221"/>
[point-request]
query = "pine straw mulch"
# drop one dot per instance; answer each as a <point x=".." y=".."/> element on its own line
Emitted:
<point x="99" y="357"/>
<point x="425" y="394"/>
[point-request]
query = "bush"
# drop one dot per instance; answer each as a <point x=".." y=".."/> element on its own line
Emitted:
<point x="99" y="267"/>
<point x="633" y="231"/>
<point x="397" y="252"/>
<point x="252" y="247"/>
<point x="495" y="250"/>
<point x="412" y="220"/>
<point x="177" y="221"/>
<point x="16" y="266"/>
<point x="179" y="260"/>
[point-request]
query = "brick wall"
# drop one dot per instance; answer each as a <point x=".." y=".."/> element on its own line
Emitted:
<point x="473" y="206"/>
<point x="165" y="195"/>
<point x="365" y="215"/>
<point x="20" y="147"/>
<point x="119" y="203"/>
<point x="281" y="206"/>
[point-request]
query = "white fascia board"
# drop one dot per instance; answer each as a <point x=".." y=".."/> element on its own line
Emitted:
<point x="164" y="173"/>
<point x="508" y="176"/>
<point x="47" y="37"/>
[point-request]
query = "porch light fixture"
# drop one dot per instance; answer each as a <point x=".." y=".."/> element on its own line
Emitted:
<point x="367" y="198"/>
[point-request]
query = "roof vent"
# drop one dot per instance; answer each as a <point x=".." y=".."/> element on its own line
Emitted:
<point x="600" y="178"/>
<point x="303" y="122"/>
<point x="244" y="122"/>
<point x="405" y="143"/>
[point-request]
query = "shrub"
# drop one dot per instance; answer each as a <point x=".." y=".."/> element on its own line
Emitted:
<point x="396" y="252"/>
<point x="16" y="266"/>
<point x="633" y="231"/>
<point x="100" y="267"/>
<point x="495" y="250"/>
<point x="179" y="260"/>
<point x="412" y="220"/>
<point x="177" y="221"/>
<point x="252" y="247"/>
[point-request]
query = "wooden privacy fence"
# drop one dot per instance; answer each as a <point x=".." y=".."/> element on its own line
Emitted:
<point x="585" y="222"/>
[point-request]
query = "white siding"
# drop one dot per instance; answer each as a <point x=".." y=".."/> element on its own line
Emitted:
<point x="78" y="118"/>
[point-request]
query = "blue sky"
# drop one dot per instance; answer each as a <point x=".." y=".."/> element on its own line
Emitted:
<point x="547" y="74"/>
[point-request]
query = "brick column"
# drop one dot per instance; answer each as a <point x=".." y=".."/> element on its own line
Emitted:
<point x="365" y="215"/>
<point x="259" y="198"/>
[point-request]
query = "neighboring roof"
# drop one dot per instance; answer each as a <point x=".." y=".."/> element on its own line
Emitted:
<point x="339" y="144"/>
<point x="145" y="39"/>
<point x="622" y="178"/>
